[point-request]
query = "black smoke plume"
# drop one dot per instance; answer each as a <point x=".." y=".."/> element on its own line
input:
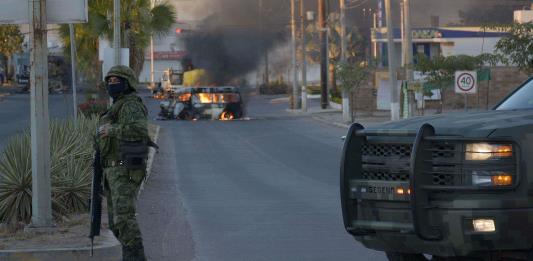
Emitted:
<point x="231" y="43"/>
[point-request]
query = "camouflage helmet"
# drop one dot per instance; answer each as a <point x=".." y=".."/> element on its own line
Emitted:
<point x="124" y="72"/>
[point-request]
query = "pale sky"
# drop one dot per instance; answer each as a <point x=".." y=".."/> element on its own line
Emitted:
<point x="194" y="9"/>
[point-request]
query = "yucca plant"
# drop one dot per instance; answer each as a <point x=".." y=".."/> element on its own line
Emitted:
<point x="15" y="180"/>
<point x="70" y="155"/>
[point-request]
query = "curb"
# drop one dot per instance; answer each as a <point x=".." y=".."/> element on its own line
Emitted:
<point x="150" y="160"/>
<point x="336" y="124"/>
<point x="3" y="95"/>
<point x="108" y="249"/>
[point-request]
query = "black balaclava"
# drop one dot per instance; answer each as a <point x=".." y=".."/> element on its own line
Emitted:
<point x="115" y="90"/>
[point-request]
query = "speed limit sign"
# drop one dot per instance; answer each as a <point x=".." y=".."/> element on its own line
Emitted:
<point x="466" y="82"/>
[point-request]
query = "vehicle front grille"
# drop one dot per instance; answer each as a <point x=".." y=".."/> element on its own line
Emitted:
<point x="391" y="162"/>
<point x="386" y="162"/>
<point x="387" y="150"/>
<point x="384" y="175"/>
<point x="446" y="167"/>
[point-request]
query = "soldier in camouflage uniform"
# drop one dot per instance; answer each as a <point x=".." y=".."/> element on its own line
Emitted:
<point x="125" y="122"/>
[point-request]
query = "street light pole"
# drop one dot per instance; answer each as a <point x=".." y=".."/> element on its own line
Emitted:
<point x="295" y="99"/>
<point x="40" y="134"/>
<point x="116" y="31"/>
<point x="323" y="54"/>
<point x="73" y="68"/>
<point x="394" y="92"/>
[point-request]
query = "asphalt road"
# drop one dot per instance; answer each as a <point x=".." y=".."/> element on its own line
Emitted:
<point x="263" y="189"/>
<point x="15" y="113"/>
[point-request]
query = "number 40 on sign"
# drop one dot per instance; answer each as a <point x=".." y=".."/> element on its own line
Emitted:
<point x="466" y="82"/>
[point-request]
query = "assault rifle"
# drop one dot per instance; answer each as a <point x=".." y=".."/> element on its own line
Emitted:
<point x="96" y="198"/>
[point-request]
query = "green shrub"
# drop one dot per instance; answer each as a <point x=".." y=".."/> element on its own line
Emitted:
<point x="94" y="107"/>
<point x="274" y="88"/>
<point x="70" y="158"/>
<point x="336" y="99"/>
<point x="314" y="90"/>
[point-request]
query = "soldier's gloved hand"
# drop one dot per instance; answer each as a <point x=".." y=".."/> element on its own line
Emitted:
<point x="103" y="131"/>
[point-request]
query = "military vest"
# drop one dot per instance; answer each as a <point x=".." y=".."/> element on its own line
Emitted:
<point x="109" y="146"/>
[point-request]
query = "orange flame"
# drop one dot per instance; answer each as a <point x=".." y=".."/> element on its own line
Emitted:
<point x="227" y="116"/>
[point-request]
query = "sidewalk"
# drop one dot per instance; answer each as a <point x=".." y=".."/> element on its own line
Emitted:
<point x="6" y="90"/>
<point x="333" y="116"/>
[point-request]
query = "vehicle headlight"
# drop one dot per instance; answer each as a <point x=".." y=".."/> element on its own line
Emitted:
<point x="484" y="178"/>
<point x="488" y="151"/>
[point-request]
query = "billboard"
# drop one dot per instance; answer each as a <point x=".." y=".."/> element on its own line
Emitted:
<point x="58" y="11"/>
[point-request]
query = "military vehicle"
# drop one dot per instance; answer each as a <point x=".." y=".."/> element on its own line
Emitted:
<point x="448" y="187"/>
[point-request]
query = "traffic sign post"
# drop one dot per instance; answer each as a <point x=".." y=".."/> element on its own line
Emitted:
<point x="466" y="83"/>
<point x="38" y="14"/>
<point x="57" y="12"/>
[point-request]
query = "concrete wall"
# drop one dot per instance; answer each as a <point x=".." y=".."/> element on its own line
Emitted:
<point x="504" y="81"/>
<point x="473" y="46"/>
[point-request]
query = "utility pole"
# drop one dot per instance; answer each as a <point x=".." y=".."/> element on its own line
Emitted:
<point x="263" y="47"/>
<point x="345" y="94"/>
<point x="73" y="68"/>
<point x="40" y="135"/>
<point x="295" y="98"/>
<point x="304" y="56"/>
<point x="116" y="32"/>
<point x="323" y="54"/>
<point x="375" y="44"/>
<point x="395" y="94"/>
<point x="152" y="78"/>
<point x="402" y="34"/>
<point x="409" y="55"/>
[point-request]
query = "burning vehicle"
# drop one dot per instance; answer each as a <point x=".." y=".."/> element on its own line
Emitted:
<point x="455" y="186"/>
<point x="216" y="103"/>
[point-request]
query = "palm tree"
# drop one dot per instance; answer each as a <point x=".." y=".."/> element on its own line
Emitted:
<point x="10" y="43"/>
<point x="139" y="21"/>
<point x="355" y="48"/>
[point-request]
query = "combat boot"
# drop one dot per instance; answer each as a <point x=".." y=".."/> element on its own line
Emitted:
<point x="133" y="254"/>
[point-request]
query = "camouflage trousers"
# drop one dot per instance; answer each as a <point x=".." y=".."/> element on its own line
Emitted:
<point x="121" y="192"/>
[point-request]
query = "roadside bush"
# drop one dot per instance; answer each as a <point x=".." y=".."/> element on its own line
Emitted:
<point x="314" y="90"/>
<point x="70" y="158"/>
<point x="93" y="107"/>
<point x="274" y="88"/>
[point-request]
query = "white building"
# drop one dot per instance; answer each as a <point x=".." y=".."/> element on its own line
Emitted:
<point x="431" y="42"/>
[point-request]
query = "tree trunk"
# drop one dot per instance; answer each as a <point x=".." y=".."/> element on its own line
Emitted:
<point x="353" y="106"/>
<point x="332" y="78"/>
<point x="441" y="101"/>
<point x="136" y="56"/>
<point x="9" y="68"/>
<point x="5" y="65"/>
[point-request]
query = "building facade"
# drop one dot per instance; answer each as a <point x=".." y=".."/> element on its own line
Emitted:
<point x="430" y="42"/>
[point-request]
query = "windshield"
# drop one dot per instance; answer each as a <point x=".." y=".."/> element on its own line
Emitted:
<point x="176" y="79"/>
<point x="521" y="99"/>
<point x="223" y="98"/>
